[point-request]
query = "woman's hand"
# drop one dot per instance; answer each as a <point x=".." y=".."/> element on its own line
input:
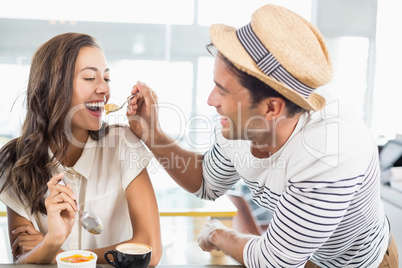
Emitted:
<point x="27" y="238"/>
<point x="61" y="210"/>
<point x="142" y="113"/>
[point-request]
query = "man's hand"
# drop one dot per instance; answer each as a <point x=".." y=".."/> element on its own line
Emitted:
<point x="215" y="235"/>
<point x="142" y="113"/>
<point x="205" y="237"/>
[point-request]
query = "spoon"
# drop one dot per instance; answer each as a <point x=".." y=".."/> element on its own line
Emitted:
<point x="111" y="108"/>
<point x="88" y="219"/>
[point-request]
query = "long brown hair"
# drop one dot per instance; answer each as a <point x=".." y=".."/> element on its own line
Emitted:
<point x="24" y="162"/>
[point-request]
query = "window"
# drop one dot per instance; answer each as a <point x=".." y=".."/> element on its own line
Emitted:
<point x="387" y="108"/>
<point x="167" y="51"/>
<point x="163" y="47"/>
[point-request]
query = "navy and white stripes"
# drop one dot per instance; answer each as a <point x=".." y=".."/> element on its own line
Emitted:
<point x="332" y="216"/>
<point x="267" y="62"/>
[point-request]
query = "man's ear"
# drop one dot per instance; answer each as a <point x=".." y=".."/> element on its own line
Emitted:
<point x="274" y="107"/>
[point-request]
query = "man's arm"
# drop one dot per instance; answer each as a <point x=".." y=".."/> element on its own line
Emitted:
<point x="185" y="167"/>
<point x="217" y="236"/>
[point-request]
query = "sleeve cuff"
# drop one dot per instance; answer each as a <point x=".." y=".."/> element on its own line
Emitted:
<point x="247" y="251"/>
<point x="140" y="165"/>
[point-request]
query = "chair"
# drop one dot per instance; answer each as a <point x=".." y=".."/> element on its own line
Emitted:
<point x="244" y="221"/>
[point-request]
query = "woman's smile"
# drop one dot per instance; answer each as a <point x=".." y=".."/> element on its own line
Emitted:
<point x="95" y="108"/>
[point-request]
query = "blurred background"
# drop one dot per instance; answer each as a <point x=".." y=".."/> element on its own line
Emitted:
<point x="162" y="43"/>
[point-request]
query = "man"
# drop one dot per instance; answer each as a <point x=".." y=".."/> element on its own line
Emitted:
<point x="315" y="169"/>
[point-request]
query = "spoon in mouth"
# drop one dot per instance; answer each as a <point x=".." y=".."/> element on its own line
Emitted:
<point x="88" y="219"/>
<point x="111" y="108"/>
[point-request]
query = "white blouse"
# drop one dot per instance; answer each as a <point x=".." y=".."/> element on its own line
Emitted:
<point x="99" y="179"/>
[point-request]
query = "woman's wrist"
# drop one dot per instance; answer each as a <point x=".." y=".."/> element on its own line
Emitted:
<point x="52" y="244"/>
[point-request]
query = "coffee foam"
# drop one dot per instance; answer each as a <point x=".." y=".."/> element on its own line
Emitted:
<point x="131" y="248"/>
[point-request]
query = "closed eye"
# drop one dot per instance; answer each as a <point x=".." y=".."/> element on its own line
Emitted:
<point x="222" y="90"/>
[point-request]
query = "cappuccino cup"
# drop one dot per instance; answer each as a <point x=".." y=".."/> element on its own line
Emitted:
<point x="129" y="255"/>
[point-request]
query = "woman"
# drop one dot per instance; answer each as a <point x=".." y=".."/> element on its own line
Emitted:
<point x="63" y="138"/>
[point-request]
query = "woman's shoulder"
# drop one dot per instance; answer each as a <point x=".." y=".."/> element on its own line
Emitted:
<point x="122" y="130"/>
<point x="122" y="134"/>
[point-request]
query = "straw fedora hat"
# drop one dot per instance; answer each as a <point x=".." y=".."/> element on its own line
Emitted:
<point x="282" y="49"/>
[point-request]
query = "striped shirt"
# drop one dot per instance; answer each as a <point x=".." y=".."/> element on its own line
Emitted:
<point x="322" y="186"/>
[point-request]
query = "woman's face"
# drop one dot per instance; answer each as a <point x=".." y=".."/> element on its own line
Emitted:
<point x="90" y="92"/>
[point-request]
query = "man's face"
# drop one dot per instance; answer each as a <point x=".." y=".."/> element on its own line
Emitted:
<point x="233" y="102"/>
